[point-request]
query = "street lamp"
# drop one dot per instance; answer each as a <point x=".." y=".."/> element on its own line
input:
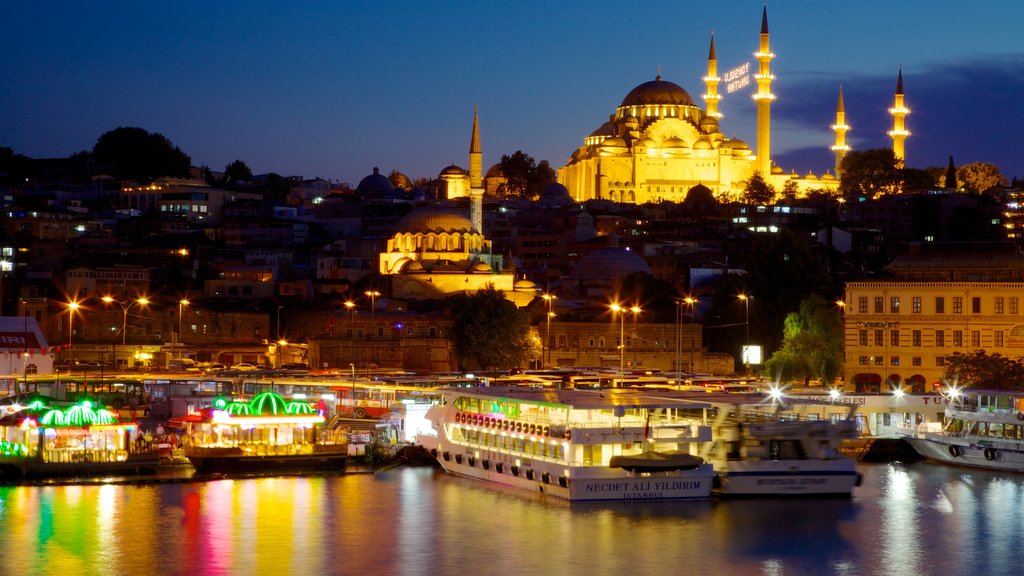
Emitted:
<point x="691" y="302"/>
<point x="351" y="329"/>
<point x="181" y="304"/>
<point x="746" y="323"/>
<point x="373" y="307"/>
<point x="125" y="307"/>
<point x="73" y="307"/>
<point x="636" y="314"/>
<point x="621" y="311"/>
<point x="550" y="299"/>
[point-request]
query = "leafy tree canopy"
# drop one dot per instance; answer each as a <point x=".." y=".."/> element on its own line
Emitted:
<point x="135" y="154"/>
<point x="236" y="172"/>
<point x="812" y="344"/>
<point x="524" y="177"/>
<point x="978" y="177"/>
<point x="489" y="331"/>
<point x="985" y="371"/>
<point x="870" y="173"/>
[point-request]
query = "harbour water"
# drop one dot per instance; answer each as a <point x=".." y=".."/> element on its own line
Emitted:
<point x="904" y="520"/>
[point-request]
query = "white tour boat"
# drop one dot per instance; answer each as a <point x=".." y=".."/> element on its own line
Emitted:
<point x="983" y="428"/>
<point x="609" y="444"/>
<point x="761" y="448"/>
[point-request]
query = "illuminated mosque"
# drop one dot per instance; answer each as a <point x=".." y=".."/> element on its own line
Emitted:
<point x="659" y="144"/>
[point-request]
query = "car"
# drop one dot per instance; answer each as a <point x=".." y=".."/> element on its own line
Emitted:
<point x="244" y="367"/>
<point x="295" y="366"/>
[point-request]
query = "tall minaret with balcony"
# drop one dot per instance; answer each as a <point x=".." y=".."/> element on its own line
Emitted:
<point x="711" y="98"/>
<point x="899" y="111"/>
<point x="840" y="128"/>
<point x="764" y="99"/>
<point x="476" y="180"/>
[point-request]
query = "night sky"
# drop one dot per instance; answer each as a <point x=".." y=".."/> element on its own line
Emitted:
<point x="332" y="89"/>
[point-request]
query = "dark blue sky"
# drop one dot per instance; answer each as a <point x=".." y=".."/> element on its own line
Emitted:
<point x="334" y="88"/>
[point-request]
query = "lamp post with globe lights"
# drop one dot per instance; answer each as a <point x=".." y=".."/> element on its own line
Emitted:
<point x="142" y="301"/>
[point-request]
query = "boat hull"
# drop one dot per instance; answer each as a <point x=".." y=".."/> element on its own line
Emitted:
<point x="29" y="470"/>
<point x="577" y="484"/>
<point x="229" y="462"/>
<point x="797" y="478"/>
<point x="990" y="456"/>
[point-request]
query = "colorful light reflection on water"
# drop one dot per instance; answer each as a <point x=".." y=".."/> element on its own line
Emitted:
<point x="918" y="519"/>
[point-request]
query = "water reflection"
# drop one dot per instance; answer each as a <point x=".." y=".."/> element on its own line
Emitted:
<point x="919" y="519"/>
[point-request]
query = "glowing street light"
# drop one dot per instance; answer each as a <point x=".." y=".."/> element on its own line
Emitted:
<point x="351" y="329"/>
<point x="550" y="299"/>
<point x="181" y="305"/>
<point x="621" y="310"/>
<point x="73" y="307"/>
<point x="373" y="294"/>
<point x="125" y="307"/>
<point x="691" y="302"/>
<point x="746" y="322"/>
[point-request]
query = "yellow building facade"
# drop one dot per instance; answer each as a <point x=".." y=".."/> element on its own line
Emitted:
<point x="901" y="333"/>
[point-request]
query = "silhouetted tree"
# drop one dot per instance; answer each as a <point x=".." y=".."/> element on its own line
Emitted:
<point x="489" y="330"/>
<point x="950" y="179"/>
<point x="870" y="173"/>
<point x="236" y="172"/>
<point x="135" y="154"/>
<point x="812" y="345"/>
<point x="525" y="178"/>
<point x="758" y="191"/>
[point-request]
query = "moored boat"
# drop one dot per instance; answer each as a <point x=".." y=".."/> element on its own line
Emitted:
<point x="758" y="452"/>
<point x="39" y="441"/>
<point x="265" y="434"/>
<point x="983" y="429"/>
<point x="611" y="444"/>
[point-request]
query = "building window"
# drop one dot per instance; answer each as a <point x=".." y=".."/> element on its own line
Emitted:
<point x="877" y="360"/>
<point x="958" y="338"/>
<point x="940" y="304"/>
<point x="862" y="304"/>
<point x="916" y="360"/>
<point x="975" y="305"/>
<point x="879" y="305"/>
<point x="1013" y="305"/>
<point x="915" y="338"/>
<point x="940" y="338"/>
<point x="999" y="305"/>
<point x="976" y="338"/>
<point x="999" y="339"/>
<point x="958" y="305"/>
<point x="940" y="361"/>
<point x="894" y="337"/>
<point x="916" y="303"/>
<point x="894" y="361"/>
<point x="863" y="338"/>
<point x="879" y="338"/>
<point x="894" y="304"/>
<point x="863" y="361"/>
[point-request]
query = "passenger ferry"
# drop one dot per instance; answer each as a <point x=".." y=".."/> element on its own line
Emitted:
<point x="758" y="452"/>
<point x="613" y="444"/>
<point x="983" y="428"/>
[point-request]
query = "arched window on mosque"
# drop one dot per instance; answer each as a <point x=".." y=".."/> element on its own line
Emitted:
<point x="561" y="341"/>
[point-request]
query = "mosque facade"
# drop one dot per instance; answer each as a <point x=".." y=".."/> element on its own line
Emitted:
<point x="658" y="143"/>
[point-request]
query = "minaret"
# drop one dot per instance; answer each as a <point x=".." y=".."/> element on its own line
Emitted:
<point x="899" y="111"/>
<point x="712" y="97"/>
<point x="764" y="99"/>
<point x="476" y="160"/>
<point x="840" y="128"/>
<point x="476" y="181"/>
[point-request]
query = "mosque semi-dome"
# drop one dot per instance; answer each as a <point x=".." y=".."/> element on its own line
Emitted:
<point x="435" y="219"/>
<point x="375" y="182"/>
<point x="657" y="91"/>
<point x="609" y="263"/>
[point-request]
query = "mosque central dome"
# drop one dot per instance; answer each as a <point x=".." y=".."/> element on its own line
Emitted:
<point x="657" y="92"/>
<point x="435" y="219"/>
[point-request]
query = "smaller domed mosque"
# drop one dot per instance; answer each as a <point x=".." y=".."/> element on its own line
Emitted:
<point x="437" y="250"/>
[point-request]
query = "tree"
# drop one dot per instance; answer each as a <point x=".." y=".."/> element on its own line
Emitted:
<point x="135" y="154"/>
<point x="524" y="177"/>
<point x="812" y="344"/>
<point x="790" y="189"/>
<point x="978" y="177"/>
<point x="236" y="172"/>
<point x="986" y="371"/>
<point x="489" y="331"/>
<point x="757" y="191"/>
<point x="870" y="173"/>
<point x="949" y="181"/>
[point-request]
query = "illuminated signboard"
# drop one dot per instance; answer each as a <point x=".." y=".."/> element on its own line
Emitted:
<point x="738" y="78"/>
